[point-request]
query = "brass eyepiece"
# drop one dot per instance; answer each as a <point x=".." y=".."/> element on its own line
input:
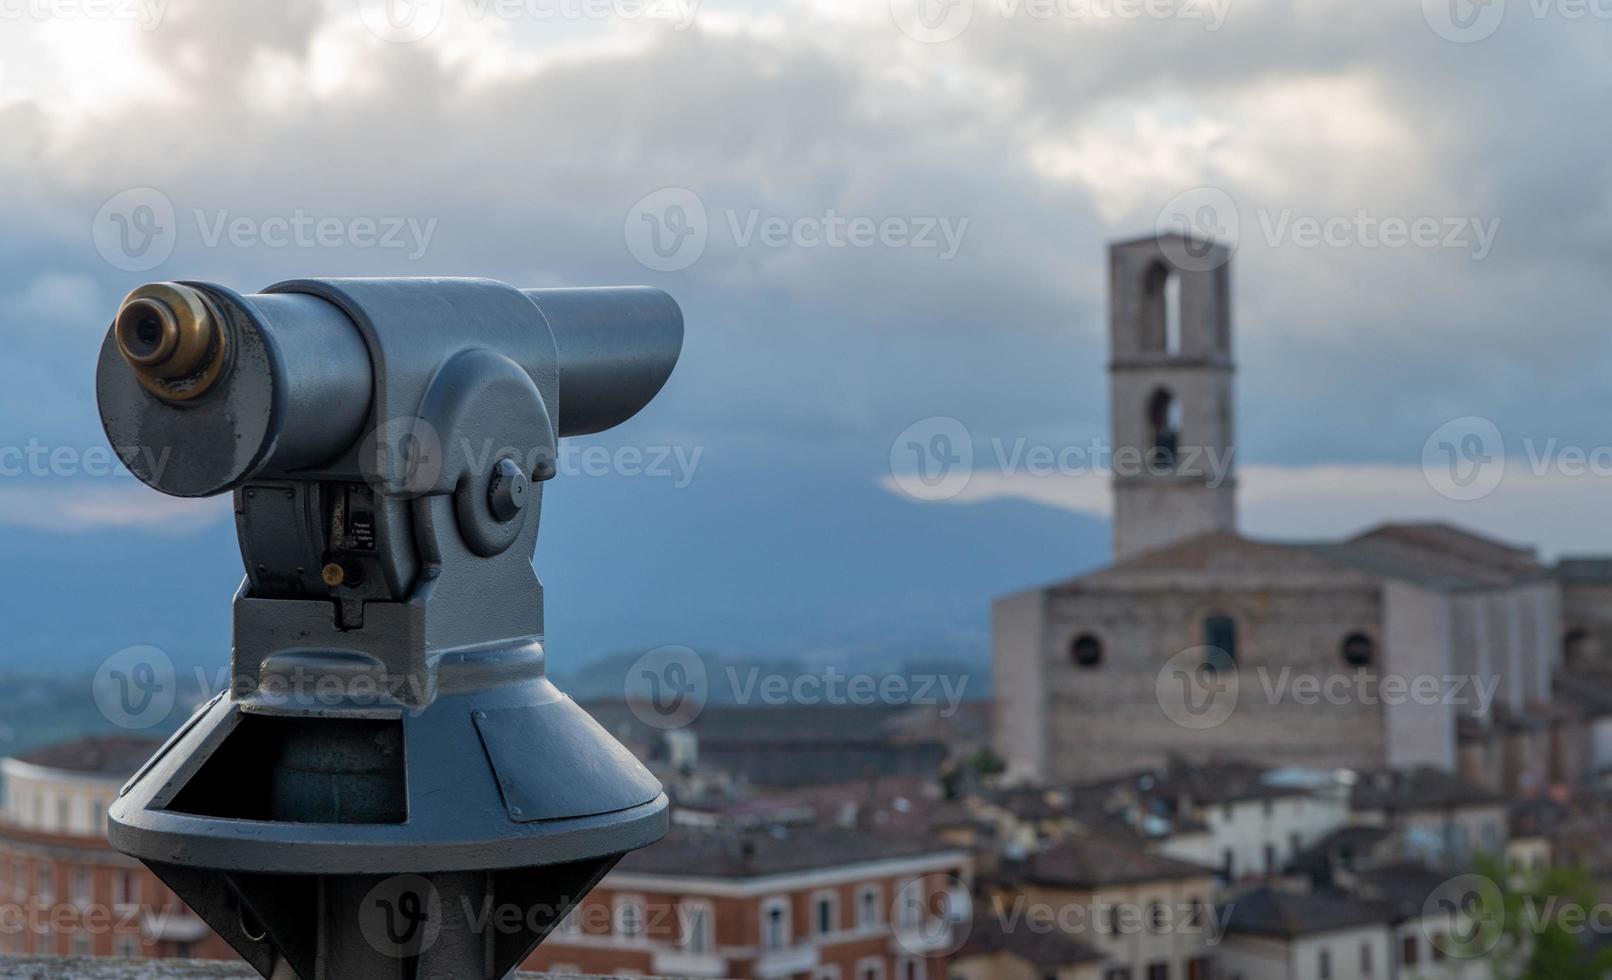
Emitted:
<point x="169" y="336"/>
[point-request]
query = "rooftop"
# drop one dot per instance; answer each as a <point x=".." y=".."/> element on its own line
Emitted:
<point x="80" y="968"/>
<point x="1435" y="556"/>
<point x="1288" y="915"/>
<point x="1417" y="789"/>
<point x="1049" y="950"/>
<point x="1086" y="861"/>
<point x="719" y="854"/>
<point x="99" y="755"/>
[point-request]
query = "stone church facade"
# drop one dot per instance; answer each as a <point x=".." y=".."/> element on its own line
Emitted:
<point x="1405" y="645"/>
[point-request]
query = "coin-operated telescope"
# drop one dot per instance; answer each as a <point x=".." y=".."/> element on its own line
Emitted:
<point x="390" y="788"/>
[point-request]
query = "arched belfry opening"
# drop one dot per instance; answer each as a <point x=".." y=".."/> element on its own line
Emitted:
<point x="1161" y="312"/>
<point x="1164" y="423"/>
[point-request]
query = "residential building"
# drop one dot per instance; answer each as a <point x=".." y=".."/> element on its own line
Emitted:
<point x="1434" y="817"/>
<point x="1274" y="934"/>
<point x="1000" y="949"/>
<point x="1150" y="916"/>
<point x="63" y="890"/>
<point x="826" y="903"/>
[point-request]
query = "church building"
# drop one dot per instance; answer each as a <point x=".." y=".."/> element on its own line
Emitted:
<point x="1406" y="645"/>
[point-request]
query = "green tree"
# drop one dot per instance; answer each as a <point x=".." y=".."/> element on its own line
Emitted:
<point x="1539" y="926"/>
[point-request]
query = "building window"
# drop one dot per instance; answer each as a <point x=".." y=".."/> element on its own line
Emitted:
<point x="81" y="887"/>
<point x="1409" y="950"/>
<point x="825" y="913"/>
<point x="1118" y="973"/>
<point x="1156" y="917"/>
<point x="126" y="947"/>
<point x="871" y="968"/>
<point x="1086" y="651"/>
<point x="1323" y="966"/>
<point x="1358" y="650"/>
<point x="911" y="903"/>
<point x="45" y="887"/>
<point x="1270" y="859"/>
<point x="1198" y="968"/>
<point x="696" y="936"/>
<point x="1220" y="636"/>
<point x="1164" y="422"/>
<point x="126" y="889"/>
<point x="1576" y="647"/>
<point x="1158" y="971"/>
<point x="868" y="900"/>
<point x="1365" y="959"/>
<point x="828" y="971"/>
<point x="775" y="924"/>
<point x="629" y="917"/>
<point x="907" y="969"/>
<point x="571" y="925"/>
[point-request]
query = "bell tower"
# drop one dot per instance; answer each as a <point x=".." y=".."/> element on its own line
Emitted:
<point x="1170" y="380"/>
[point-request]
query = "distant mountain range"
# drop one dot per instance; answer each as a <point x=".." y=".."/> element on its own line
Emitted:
<point x="747" y="564"/>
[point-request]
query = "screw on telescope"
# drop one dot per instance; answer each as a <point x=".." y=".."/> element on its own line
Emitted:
<point x="169" y="336"/>
<point x="506" y="492"/>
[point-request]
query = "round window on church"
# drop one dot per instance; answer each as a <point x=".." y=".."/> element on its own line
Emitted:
<point x="1358" y="650"/>
<point x="1086" y="651"/>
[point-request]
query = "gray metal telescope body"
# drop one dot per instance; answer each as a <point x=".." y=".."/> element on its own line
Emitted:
<point x="390" y="773"/>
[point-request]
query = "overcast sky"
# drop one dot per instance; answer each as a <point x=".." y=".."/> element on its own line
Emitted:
<point x="873" y="213"/>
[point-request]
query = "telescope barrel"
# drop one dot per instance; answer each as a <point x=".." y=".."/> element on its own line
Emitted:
<point x="202" y="388"/>
<point x="617" y="346"/>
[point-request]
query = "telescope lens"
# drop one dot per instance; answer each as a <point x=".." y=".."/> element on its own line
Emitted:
<point x="148" y="331"/>
<point x="167" y="334"/>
